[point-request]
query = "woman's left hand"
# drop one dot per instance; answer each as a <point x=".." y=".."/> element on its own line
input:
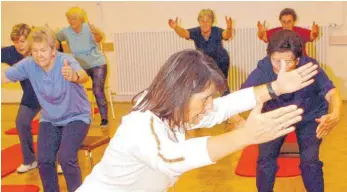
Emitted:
<point x="291" y="81"/>
<point x="68" y="73"/>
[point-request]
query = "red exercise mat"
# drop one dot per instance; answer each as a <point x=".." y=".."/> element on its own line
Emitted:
<point x="291" y="138"/>
<point x="288" y="167"/>
<point x="20" y="188"/>
<point x="34" y="128"/>
<point x="11" y="158"/>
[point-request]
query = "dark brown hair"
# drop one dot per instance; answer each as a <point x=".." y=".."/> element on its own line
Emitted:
<point x="288" y="11"/>
<point x="185" y="73"/>
<point x="285" y="40"/>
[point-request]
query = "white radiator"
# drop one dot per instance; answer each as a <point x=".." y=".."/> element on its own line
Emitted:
<point x="139" y="56"/>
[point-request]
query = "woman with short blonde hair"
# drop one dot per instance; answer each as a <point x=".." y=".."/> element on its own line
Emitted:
<point x="206" y="13"/>
<point x="84" y="47"/>
<point x="208" y="38"/>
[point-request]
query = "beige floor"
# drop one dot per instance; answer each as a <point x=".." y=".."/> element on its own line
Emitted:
<point x="219" y="177"/>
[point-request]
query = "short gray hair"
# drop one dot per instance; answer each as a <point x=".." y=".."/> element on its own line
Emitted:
<point x="41" y="34"/>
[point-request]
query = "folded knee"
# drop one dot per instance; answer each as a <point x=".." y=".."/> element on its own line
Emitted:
<point x="67" y="159"/>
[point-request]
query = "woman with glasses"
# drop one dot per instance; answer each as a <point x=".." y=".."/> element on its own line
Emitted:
<point x="288" y="18"/>
<point x="56" y="79"/>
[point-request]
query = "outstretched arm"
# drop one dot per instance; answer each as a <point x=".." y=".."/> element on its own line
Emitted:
<point x="227" y="33"/>
<point x="314" y="31"/>
<point x="4" y="79"/>
<point x="179" y="30"/>
<point x="98" y="34"/>
<point x="262" y="32"/>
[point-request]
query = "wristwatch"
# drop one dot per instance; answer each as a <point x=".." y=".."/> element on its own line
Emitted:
<point x="271" y="91"/>
<point x="78" y="77"/>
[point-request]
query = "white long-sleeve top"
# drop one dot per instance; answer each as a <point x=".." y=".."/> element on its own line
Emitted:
<point x="145" y="155"/>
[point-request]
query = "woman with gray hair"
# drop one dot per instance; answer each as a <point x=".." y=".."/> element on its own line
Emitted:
<point x="65" y="114"/>
<point x="208" y="38"/>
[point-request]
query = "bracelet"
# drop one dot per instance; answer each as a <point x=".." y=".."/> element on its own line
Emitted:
<point x="271" y="91"/>
<point x="78" y="77"/>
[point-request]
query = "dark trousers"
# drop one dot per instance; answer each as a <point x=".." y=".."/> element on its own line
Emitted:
<point x="67" y="139"/>
<point x="24" y="118"/>
<point x="310" y="165"/>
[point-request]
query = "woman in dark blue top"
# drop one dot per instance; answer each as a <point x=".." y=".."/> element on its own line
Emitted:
<point x="208" y="38"/>
<point x="322" y="110"/>
<point x="29" y="106"/>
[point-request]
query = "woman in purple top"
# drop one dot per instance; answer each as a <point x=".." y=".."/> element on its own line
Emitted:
<point x="208" y="38"/>
<point x="65" y="114"/>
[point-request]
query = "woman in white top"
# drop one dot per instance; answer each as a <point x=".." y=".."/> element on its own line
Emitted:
<point x="149" y="150"/>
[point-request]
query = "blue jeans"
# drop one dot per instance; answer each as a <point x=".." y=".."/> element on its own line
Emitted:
<point x="310" y="165"/>
<point x="67" y="139"/>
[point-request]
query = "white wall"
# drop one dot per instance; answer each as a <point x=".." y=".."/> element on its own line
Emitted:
<point x="146" y="16"/>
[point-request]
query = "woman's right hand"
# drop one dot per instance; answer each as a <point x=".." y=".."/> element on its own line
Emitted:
<point x="264" y="127"/>
<point x="261" y="29"/>
<point x="173" y="23"/>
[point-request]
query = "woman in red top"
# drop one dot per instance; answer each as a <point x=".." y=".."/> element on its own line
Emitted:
<point x="288" y="18"/>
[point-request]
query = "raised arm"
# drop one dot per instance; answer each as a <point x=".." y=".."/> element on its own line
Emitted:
<point x="314" y="31"/>
<point x="287" y="82"/>
<point x="246" y="99"/>
<point x="179" y="30"/>
<point x="98" y="34"/>
<point x="262" y="32"/>
<point x="227" y="33"/>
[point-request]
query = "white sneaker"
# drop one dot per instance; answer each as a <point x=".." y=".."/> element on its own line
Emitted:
<point x="25" y="168"/>
<point x="59" y="169"/>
